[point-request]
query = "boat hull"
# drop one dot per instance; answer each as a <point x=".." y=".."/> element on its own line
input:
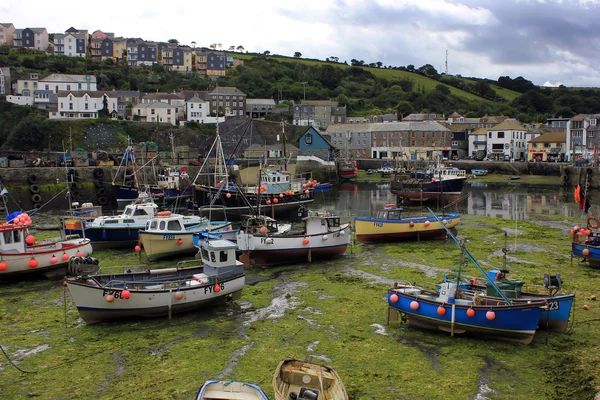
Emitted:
<point x="125" y="194"/>
<point x="516" y="322"/>
<point x="593" y="258"/>
<point x="18" y="262"/>
<point x="160" y="245"/>
<point x="265" y="250"/>
<point x="216" y="204"/>
<point x="109" y="236"/>
<point x="93" y="307"/>
<point x="377" y="230"/>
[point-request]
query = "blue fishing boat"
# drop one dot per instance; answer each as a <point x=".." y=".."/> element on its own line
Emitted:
<point x="448" y="309"/>
<point x="448" y="312"/>
<point x="586" y="242"/>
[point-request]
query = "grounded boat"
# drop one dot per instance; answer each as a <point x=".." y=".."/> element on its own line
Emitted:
<point x="557" y="306"/>
<point x="446" y="311"/>
<point x="20" y="255"/>
<point x="389" y="225"/>
<point x="430" y="185"/>
<point x="161" y="292"/>
<point x="323" y="236"/>
<point x="297" y="379"/>
<point x="230" y="390"/>
<point x="171" y="235"/>
<point x="479" y="172"/>
<point x="121" y="230"/>
<point x="586" y="242"/>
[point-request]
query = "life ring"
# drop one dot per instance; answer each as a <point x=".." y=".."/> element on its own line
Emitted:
<point x="32" y="179"/>
<point x="98" y="173"/>
<point x="98" y="183"/>
<point x="164" y="213"/>
<point x="593" y="223"/>
<point x="102" y="200"/>
<point x="101" y="192"/>
<point x="37" y="206"/>
<point x="566" y="171"/>
<point x="36" y="198"/>
<point x="34" y="188"/>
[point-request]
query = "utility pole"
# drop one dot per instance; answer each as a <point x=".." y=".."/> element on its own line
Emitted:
<point x="304" y="85"/>
<point x="446" y="62"/>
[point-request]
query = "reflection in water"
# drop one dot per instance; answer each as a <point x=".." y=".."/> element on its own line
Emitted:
<point x="513" y="201"/>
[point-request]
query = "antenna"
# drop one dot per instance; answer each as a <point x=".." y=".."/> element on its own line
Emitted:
<point x="446" y="62"/>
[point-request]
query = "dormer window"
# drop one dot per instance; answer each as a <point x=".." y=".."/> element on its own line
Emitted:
<point x="308" y="138"/>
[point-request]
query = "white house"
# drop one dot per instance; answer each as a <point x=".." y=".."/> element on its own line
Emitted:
<point x="157" y="112"/>
<point x="579" y="141"/>
<point x="198" y="110"/>
<point x="507" y="140"/>
<point x="83" y="104"/>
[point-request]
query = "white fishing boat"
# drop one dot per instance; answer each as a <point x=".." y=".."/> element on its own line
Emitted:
<point x="171" y="235"/>
<point x="161" y="292"/>
<point x="230" y="390"/>
<point x="21" y="254"/>
<point x="323" y="236"/>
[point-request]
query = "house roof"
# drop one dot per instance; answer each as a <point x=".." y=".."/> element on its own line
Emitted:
<point x="158" y="104"/>
<point x="313" y="129"/>
<point x="260" y="101"/>
<point x="459" y="127"/>
<point x="480" y="131"/>
<point x="162" y="96"/>
<point x="388" y="127"/>
<point x="551" y="137"/>
<point x="80" y="93"/>
<point x="69" y="78"/>
<point x="507" y="126"/>
<point x="227" y="90"/>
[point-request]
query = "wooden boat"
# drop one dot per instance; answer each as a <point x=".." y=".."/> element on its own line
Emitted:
<point x="161" y="292"/>
<point x="323" y="236"/>
<point x="277" y="194"/>
<point x="447" y="311"/>
<point x="170" y="235"/>
<point x="297" y="379"/>
<point x="429" y="185"/>
<point x="20" y="255"/>
<point x="230" y="390"/>
<point x="122" y="230"/>
<point x="390" y="225"/>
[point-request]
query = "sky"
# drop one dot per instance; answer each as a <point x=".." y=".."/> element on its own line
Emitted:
<point x="549" y="42"/>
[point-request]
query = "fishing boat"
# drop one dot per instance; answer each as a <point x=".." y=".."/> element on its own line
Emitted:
<point x="230" y="390"/>
<point x="557" y="306"/>
<point x="586" y="242"/>
<point x="277" y="193"/>
<point x="119" y="231"/>
<point x="446" y="311"/>
<point x="391" y="225"/>
<point x="450" y="310"/>
<point x="161" y="292"/>
<point x="323" y="236"/>
<point x="22" y="255"/>
<point x="347" y="169"/>
<point x="297" y="379"/>
<point x="171" y="235"/>
<point x="479" y="172"/>
<point x="436" y="184"/>
<point x="172" y="185"/>
<point x="125" y="185"/>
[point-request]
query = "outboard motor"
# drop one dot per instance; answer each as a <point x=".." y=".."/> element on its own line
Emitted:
<point x="83" y="266"/>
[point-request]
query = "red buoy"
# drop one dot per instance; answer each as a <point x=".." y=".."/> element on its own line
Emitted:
<point x="33" y="263"/>
<point x="217" y="288"/>
<point x="29" y="239"/>
<point x="65" y="256"/>
<point x="414" y="305"/>
<point x="441" y="311"/>
<point x="490" y="315"/>
<point x="394" y="298"/>
<point x="470" y="312"/>
<point x="125" y="294"/>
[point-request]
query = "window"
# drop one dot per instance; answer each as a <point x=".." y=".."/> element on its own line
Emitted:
<point x="70" y="106"/>
<point x="500" y="135"/>
<point x="592" y="122"/>
<point x="308" y="138"/>
<point x="490" y="135"/>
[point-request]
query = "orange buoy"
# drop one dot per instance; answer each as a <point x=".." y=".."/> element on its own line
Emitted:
<point x="109" y="298"/>
<point x="441" y="311"/>
<point x="490" y="315"/>
<point x="470" y="313"/>
<point x="125" y="294"/>
<point x="29" y="239"/>
<point x="178" y="295"/>
<point x="3" y="266"/>
<point x="306" y="241"/>
<point x="217" y="288"/>
<point x="228" y="195"/>
<point x="263" y="230"/>
<point x="137" y="248"/>
<point x="33" y="263"/>
<point x="394" y="298"/>
<point x="275" y="200"/>
<point x="586" y="252"/>
<point x="414" y="305"/>
<point x="65" y="256"/>
<point x="179" y="241"/>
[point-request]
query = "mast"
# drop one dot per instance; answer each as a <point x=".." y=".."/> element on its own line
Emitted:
<point x="284" y="152"/>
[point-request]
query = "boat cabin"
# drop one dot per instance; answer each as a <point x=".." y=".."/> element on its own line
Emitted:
<point x="321" y="222"/>
<point x="218" y="257"/>
<point x="13" y="238"/>
<point x="277" y="181"/>
<point x="390" y="213"/>
<point x="133" y="213"/>
<point x="442" y="173"/>
<point x="253" y="224"/>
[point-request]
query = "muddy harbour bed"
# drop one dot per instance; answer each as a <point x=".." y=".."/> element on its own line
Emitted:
<point x="334" y="312"/>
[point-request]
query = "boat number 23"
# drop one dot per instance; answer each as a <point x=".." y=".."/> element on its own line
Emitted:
<point x="553" y="305"/>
